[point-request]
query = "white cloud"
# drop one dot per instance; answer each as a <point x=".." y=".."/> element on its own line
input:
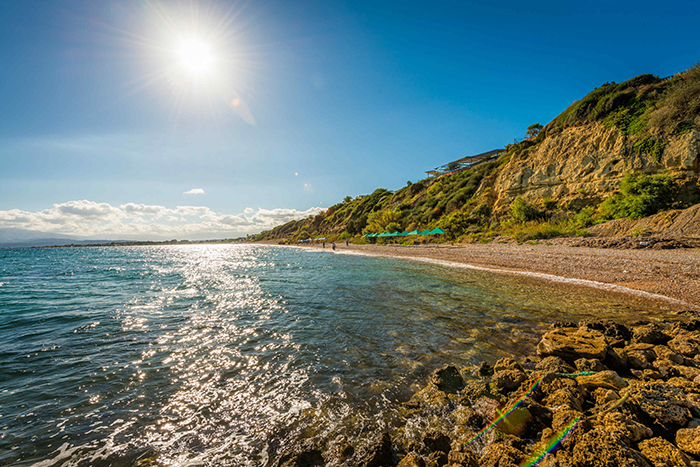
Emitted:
<point x="140" y="221"/>
<point x="88" y="209"/>
<point x="142" y="209"/>
<point x="194" y="191"/>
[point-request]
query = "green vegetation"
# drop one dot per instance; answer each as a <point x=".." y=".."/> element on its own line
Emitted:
<point x="646" y="110"/>
<point x="642" y="195"/>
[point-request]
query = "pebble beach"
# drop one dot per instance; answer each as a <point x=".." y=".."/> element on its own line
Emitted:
<point x="672" y="273"/>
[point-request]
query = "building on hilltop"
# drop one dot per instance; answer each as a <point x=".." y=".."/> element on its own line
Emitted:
<point x="464" y="163"/>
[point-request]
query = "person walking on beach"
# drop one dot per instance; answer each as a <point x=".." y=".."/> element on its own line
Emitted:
<point x="347" y="243"/>
<point x="324" y="244"/>
<point x="333" y="246"/>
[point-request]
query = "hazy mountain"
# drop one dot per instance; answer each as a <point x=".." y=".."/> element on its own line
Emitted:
<point x="10" y="238"/>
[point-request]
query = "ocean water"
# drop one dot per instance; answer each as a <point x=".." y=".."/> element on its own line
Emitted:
<point x="224" y="354"/>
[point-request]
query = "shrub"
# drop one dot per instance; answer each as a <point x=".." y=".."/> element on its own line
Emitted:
<point x="651" y="146"/>
<point x="522" y="211"/>
<point x="642" y="195"/>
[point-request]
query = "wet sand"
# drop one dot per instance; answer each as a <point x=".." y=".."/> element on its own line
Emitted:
<point x="671" y="273"/>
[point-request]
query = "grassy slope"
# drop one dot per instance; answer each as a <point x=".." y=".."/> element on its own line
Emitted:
<point x="646" y="109"/>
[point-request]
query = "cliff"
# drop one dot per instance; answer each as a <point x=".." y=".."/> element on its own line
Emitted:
<point x="583" y="165"/>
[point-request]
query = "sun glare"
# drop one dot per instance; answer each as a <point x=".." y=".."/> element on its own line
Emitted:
<point x="196" y="57"/>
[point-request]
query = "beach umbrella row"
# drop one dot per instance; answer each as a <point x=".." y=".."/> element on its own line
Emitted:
<point x="401" y="234"/>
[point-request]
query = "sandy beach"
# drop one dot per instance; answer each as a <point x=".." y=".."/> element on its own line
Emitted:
<point x="672" y="273"/>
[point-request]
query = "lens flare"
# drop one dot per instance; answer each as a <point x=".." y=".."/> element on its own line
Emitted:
<point x="551" y="444"/>
<point x="507" y="411"/>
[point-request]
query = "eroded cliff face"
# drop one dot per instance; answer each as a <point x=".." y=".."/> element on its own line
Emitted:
<point x="583" y="165"/>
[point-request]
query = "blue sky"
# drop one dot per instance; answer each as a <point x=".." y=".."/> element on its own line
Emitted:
<point x="103" y="130"/>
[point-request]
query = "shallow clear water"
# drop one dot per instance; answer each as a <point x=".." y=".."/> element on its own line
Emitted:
<point x="217" y="354"/>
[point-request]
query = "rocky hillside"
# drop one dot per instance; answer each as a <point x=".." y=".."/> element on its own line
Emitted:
<point x="624" y="151"/>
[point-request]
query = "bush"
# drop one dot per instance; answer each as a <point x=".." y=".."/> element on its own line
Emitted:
<point x="651" y="146"/>
<point x="522" y="211"/>
<point x="642" y="195"/>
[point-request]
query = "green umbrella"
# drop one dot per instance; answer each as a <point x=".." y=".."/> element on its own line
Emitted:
<point x="413" y="232"/>
<point x="425" y="232"/>
<point x="437" y="231"/>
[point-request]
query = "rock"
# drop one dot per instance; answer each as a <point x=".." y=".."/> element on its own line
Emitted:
<point x="447" y="379"/>
<point x="484" y="369"/>
<point x="507" y="364"/>
<point x="648" y="374"/>
<point x="464" y="415"/>
<point x="640" y="355"/>
<point x="685" y="385"/>
<point x="435" y="441"/>
<point x="554" y="365"/>
<point x="686" y="343"/>
<point x="473" y="391"/>
<point x="306" y="455"/>
<point x="430" y="395"/>
<point x="541" y="418"/>
<point x="602" y="396"/>
<point x="625" y="427"/>
<point x="436" y="459"/>
<point x="690" y="325"/>
<point x="664" y="367"/>
<point x="463" y="458"/>
<point x="562" y="419"/>
<point x="376" y="454"/>
<point x="650" y="334"/>
<point x="412" y="460"/>
<point x="604" y="379"/>
<point x="601" y="448"/>
<point x="508" y="379"/>
<point x="589" y="364"/>
<point x="663" y="402"/>
<point x="688" y="440"/>
<point x="564" y="399"/>
<point x="661" y="453"/>
<point x="615" y="359"/>
<point x="688" y="372"/>
<point x="693" y="401"/>
<point x="616" y="333"/>
<point x="501" y="455"/>
<point x="572" y="344"/>
<point x="487" y="408"/>
<point x="664" y="352"/>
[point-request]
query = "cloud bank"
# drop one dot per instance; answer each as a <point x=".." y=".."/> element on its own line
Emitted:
<point x="194" y="191"/>
<point x="147" y="222"/>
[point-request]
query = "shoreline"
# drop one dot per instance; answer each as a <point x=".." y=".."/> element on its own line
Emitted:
<point x="659" y="274"/>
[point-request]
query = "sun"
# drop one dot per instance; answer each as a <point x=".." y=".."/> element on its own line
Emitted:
<point x="195" y="57"/>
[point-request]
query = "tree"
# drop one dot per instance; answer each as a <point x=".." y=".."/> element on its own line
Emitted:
<point x="533" y="130"/>
<point x="347" y="199"/>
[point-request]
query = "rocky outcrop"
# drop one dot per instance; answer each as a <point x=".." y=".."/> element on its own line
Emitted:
<point x="640" y="407"/>
<point x="584" y="164"/>
<point x="675" y="223"/>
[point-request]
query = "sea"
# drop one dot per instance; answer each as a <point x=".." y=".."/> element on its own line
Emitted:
<point x="228" y="354"/>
